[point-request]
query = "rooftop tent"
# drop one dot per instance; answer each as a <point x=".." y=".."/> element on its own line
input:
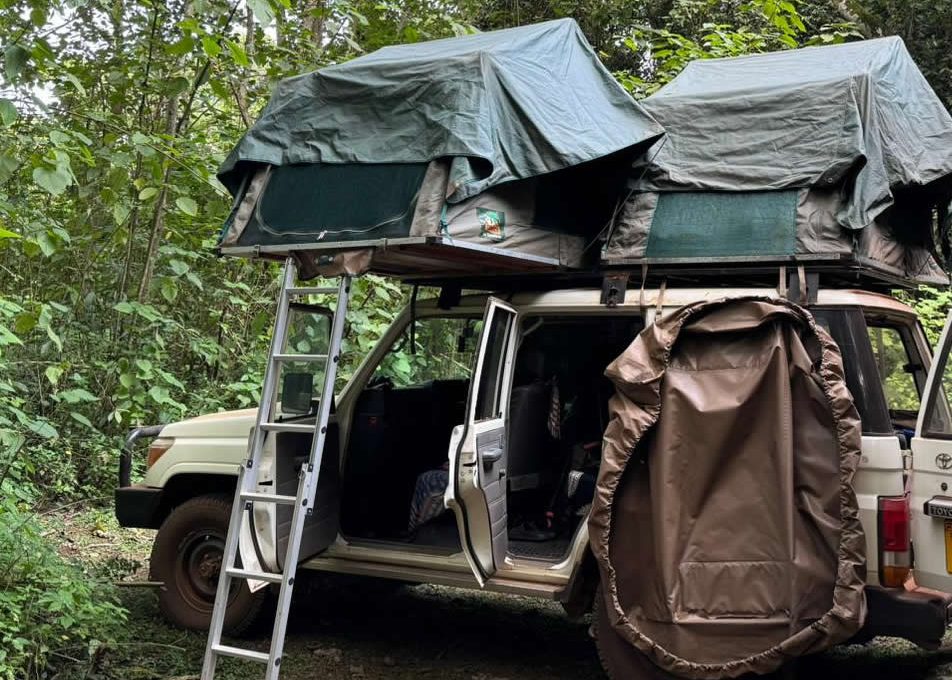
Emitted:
<point x="499" y="151"/>
<point x="837" y="155"/>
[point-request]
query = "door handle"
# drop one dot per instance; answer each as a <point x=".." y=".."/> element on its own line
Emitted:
<point x="491" y="456"/>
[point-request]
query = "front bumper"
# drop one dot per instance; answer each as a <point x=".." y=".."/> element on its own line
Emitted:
<point x="138" y="506"/>
<point x="917" y="614"/>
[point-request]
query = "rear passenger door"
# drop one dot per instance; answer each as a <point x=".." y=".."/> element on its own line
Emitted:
<point x="477" y="488"/>
<point x="932" y="475"/>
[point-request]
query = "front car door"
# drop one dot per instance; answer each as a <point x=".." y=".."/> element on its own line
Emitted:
<point x="477" y="488"/>
<point x="932" y="475"/>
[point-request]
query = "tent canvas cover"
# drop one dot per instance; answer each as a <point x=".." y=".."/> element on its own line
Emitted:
<point x="839" y="154"/>
<point x="505" y="150"/>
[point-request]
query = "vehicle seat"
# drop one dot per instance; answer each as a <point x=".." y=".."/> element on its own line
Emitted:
<point x="529" y="443"/>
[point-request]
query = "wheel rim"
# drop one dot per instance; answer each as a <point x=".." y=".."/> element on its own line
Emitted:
<point x="199" y="566"/>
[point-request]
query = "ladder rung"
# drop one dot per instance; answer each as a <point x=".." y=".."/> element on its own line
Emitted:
<point x="255" y="575"/>
<point x="240" y="653"/>
<point x="268" y="498"/>
<point x="306" y="290"/>
<point x="300" y="357"/>
<point x="289" y="427"/>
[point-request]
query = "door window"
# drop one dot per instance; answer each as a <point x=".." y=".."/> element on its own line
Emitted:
<point x="432" y="348"/>
<point x="489" y="394"/>
<point x="938" y="417"/>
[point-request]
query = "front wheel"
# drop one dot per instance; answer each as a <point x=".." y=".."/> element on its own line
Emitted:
<point x="187" y="558"/>
<point x="619" y="658"/>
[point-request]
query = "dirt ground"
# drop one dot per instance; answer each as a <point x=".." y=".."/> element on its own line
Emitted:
<point x="343" y="628"/>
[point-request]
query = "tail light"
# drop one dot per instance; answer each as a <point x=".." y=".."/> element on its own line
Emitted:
<point x="895" y="550"/>
<point x="157" y="448"/>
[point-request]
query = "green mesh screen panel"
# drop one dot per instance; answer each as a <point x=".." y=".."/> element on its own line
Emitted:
<point x="721" y="224"/>
<point x="328" y="203"/>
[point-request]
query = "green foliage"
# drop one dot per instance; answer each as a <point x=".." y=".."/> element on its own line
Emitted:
<point x="52" y="613"/>
<point x="710" y="32"/>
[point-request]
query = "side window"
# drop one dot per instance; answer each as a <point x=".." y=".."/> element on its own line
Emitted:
<point x="432" y="348"/>
<point x="896" y="368"/>
<point x="489" y="394"/>
<point x="848" y="328"/>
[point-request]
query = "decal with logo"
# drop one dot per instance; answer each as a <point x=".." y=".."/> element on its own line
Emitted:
<point x="943" y="461"/>
<point x="492" y="224"/>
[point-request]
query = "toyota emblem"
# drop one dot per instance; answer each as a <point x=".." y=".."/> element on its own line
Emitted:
<point x="943" y="461"/>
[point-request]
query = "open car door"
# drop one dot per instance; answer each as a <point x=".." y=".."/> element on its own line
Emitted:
<point x="477" y="489"/>
<point x="931" y="502"/>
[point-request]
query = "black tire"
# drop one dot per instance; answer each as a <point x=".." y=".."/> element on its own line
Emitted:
<point x="186" y="557"/>
<point x="620" y="660"/>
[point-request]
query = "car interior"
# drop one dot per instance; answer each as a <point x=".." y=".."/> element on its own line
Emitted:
<point x="557" y="412"/>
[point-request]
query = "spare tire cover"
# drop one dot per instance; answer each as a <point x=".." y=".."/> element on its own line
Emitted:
<point x="725" y="523"/>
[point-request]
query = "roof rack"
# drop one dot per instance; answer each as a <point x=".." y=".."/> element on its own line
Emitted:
<point x="830" y="272"/>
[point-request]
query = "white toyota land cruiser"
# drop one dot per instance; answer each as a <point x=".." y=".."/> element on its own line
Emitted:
<point x="394" y="446"/>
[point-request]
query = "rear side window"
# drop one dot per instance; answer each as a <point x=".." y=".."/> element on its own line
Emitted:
<point x="896" y="367"/>
<point x="848" y="328"/>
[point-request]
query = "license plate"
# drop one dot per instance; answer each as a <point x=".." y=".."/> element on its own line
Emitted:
<point x="948" y="546"/>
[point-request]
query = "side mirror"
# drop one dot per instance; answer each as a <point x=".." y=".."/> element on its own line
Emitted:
<point x="297" y="391"/>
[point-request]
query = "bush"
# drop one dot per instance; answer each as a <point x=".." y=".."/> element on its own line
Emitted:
<point x="52" y="613"/>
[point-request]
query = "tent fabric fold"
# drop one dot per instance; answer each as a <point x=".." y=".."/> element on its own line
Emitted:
<point x="505" y="105"/>
<point x="725" y="524"/>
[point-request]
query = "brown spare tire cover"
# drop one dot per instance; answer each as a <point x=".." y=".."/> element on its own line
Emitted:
<point x="725" y="524"/>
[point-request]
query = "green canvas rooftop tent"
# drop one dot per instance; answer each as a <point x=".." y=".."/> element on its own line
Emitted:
<point x="499" y="151"/>
<point x="838" y="156"/>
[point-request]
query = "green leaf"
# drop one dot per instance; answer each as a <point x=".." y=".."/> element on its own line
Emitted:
<point x="120" y="211"/>
<point x="178" y="267"/>
<point x="53" y="374"/>
<point x="6" y="233"/>
<point x="53" y="180"/>
<point x="211" y="47"/>
<point x="8" y="165"/>
<point x="262" y="10"/>
<point x="127" y="380"/>
<point x="14" y="59"/>
<point x="8" y="338"/>
<point x="43" y="429"/>
<point x="76" y="396"/>
<point x="237" y="53"/>
<point x="123" y="307"/>
<point x="187" y="205"/>
<point x="144" y="364"/>
<point x="160" y="395"/>
<point x="147" y="193"/>
<point x="8" y="112"/>
<point x="74" y="81"/>
<point x="169" y="289"/>
<point x="80" y="418"/>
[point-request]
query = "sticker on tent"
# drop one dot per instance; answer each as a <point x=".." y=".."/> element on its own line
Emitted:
<point x="492" y="224"/>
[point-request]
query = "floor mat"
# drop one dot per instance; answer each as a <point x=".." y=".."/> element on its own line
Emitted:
<point x="545" y="550"/>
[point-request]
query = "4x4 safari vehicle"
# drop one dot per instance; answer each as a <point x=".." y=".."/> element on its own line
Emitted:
<point x="742" y="495"/>
<point x="516" y="495"/>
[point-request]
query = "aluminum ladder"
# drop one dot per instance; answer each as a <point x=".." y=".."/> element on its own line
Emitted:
<point x="246" y="493"/>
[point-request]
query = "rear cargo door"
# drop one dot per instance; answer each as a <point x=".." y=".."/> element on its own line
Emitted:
<point x="477" y="488"/>
<point x="932" y="475"/>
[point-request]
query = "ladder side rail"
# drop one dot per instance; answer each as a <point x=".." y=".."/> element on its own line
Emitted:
<point x="307" y="488"/>
<point x="248" y="473"/>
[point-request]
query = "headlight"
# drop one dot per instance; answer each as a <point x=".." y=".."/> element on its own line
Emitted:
<point x="157" y="448"/>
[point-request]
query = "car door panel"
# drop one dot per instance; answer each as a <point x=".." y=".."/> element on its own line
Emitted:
<point x="477" y="489"/>
<point x="931" y="480"/>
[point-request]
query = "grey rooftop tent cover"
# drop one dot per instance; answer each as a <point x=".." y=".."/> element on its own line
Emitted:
<point x="839" y="153"/>
<point x="506" y="149"/>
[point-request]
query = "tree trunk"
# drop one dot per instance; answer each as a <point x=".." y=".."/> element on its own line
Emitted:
<point x="158" y="215"/>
